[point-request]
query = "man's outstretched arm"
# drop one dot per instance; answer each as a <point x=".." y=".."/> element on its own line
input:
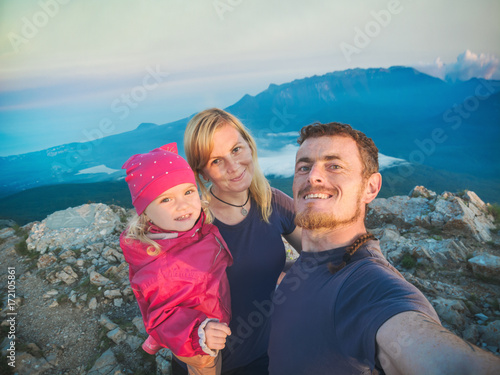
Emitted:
<point x="412" y="343"/>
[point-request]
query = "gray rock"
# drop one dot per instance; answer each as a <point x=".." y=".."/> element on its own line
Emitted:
<point x="107" y="323"/>
<point x="163" y="363"/>
<point x="139" y="324"/>
<point x="471" y="333"/>
<point x="50" y="294"/>
<point x="67" y="254"/>
<point x="420" y="191"/>
<point x="7" y="232"/>
<point x="400" y="210"/>
<point x="46" y="260"/>
<point x="67" y="275"/>
<point x="134" y="342"/>
<point x="456" y="217"/>
<point x="93" y="303"/>
<point x="112" y="294"/>
<point x="73" y="228"/>
<point x="451" y="311"/>
<point x="486" y="265"/>
<point x="439" y="254"/>
<point x="481" y="316"/>
<point x="73" y="296"/>
<point x="7" y="223"/>
<point x="112" y="255"/>
<point x="490" y="334"/>
<point x="106" y="364"/>
<point x="446" y="211"/>
<point x="117" y="335"/>
<point x="97" y="279"/>
<point x="26" y="364"/>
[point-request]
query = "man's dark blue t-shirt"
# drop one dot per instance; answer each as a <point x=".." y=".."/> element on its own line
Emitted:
<point x="327" y="324"/>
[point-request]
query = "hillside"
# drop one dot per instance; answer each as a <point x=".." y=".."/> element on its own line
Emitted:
<point x="76" y="313"/>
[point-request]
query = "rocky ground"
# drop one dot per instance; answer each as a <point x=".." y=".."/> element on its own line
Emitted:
<point x="74" y="311"/>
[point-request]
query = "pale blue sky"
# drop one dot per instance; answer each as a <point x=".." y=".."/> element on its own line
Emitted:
<point x="74" y="69"/>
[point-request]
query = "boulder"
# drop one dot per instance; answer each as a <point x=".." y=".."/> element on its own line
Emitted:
<point x="486" y="265"/>
<point x="456" y="216"/>
<point x="451" y="311"/>
<point x="97" y="279"/>
<point x="117" y="335"/>
<point x="73" y="228"/>
<point x="107" y="323"/>
<point x="67" y="275"/>
<point x="490" y="334"/>
<point x="448" y="212"/>
<point x="27" y="364"/>
<point x="105" y="365"/>
<point x="440" y="253"/>
<point x="422" y="192"/>
<point x="46" y="260"/>
<point x="401" y="211"/>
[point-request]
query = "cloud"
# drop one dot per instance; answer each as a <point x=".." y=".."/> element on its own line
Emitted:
<point x="468" y="65"/>
<point x="281" y="163"/>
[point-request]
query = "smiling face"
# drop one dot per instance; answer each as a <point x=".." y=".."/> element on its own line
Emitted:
<point x="230" y="166"/>
<point x="177" y="209"/>
<point x="328" y="186"/>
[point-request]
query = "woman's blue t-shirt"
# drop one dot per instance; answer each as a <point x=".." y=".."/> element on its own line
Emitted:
<point x="258" y="259"/>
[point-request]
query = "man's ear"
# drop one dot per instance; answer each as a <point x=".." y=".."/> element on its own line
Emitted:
<point x="372" y="187"/>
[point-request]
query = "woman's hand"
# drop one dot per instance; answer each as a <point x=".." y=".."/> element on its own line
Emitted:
<point x="215" y="334"/>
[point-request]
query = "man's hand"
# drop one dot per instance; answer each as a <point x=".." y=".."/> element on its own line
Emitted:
<point x="216" y="334"/>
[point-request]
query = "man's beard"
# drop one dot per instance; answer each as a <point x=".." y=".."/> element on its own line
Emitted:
<point x="312" y="220"/>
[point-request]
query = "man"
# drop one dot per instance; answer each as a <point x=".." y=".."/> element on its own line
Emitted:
<point x="342" y="308"/>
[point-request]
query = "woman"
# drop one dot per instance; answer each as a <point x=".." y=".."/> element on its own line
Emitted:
<point x="251" y="217"/>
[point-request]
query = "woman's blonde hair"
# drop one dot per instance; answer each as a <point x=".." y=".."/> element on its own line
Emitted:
<point x="138" y="229"/>
<point x="199" y="143"/>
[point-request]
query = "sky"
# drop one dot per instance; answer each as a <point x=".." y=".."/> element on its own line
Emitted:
<point x="74" y="70"/>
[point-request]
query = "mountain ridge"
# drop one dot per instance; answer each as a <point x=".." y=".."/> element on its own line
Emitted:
<point x="397" y="107"/>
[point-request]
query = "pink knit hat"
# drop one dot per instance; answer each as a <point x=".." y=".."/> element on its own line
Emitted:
<point x="149" y="175"/>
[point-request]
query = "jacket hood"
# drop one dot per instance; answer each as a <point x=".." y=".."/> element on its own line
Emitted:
<point x="135" y="251"/>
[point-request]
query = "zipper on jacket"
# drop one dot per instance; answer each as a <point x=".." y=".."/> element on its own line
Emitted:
<point x="220" y="249"/>
<point x="196" y="231"/>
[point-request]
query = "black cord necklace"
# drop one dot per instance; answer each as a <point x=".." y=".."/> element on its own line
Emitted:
<point x="244" y="212"/>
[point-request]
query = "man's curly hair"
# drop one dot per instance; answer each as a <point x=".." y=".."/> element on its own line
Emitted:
<point x="367" y="149"/>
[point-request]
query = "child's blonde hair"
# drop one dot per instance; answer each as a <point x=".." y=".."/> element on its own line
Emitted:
<point x="138" y="229"/>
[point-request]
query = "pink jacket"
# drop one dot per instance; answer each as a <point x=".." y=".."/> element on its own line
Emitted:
<point x="183" y="286"/>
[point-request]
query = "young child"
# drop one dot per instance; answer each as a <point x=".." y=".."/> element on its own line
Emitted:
<point x="177" y="262"/>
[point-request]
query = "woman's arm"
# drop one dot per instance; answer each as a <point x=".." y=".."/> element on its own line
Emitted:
<point x="295" y="239"/>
